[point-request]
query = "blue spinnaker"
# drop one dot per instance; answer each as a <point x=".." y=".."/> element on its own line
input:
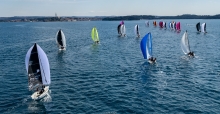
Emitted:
<point x="146" y="46"/>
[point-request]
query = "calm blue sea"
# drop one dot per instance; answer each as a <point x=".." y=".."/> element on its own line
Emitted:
<point x="112" y="77"/>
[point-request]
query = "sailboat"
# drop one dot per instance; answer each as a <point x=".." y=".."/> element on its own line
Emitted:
<point x="136" y="30"/>
<point x="123" y="31"/>
<point x="146" y="48"/>
<point x="171" y="25"/>
<point x="178" y="27"/>
<point x="147" y="23"/>
<point x="38" y="70"/>
<point x="95" y="35"/>
<point x="203" y="28"/>
<point x="61" y="40"/>
<point x="198" y="27"/>
<point x="185" y="45"/>
<point x="161" y="24"/>
<point x="164" y="25"/>
<point x="155" y="23"/>
<point x="174" y="25"/>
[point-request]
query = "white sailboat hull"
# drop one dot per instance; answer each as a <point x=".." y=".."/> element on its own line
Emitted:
<point x="37" y="96"/>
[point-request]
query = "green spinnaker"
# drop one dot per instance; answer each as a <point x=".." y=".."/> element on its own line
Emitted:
<point x="95" y="35"/>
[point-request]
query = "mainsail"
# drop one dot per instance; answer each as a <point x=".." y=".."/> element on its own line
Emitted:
<point x="146" y="46"/>
<point x="185" y="43"/>
<point x="60" y="39"/>
<point x="198" y="27"/>
<point x="203" y="27"/>
<point x="38" y="68"/>
<point x="136" y="30"/>
<point x="95" y="35"/>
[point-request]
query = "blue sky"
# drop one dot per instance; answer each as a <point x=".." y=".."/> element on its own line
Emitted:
<point x="10" y="8"/>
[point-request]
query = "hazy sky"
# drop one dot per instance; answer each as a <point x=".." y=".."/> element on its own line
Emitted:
<point x="10" y="8"/>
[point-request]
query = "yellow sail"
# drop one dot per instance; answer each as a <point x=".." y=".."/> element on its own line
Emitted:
<point x="95" y="35"/>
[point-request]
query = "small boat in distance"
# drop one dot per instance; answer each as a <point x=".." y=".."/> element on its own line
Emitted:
<point x="161" y="24"/>
<point x="147" y="23"/>
<point x="174" y="25"/>
<point x="198" y="28"/>
<point x="38" y="70"/>
<point x="61" y="40"/>
<point x="146" y="48"/>
<point x="95" y="35"/>
<point x="155" y="23"/>
<point x="185" y="45"/>
<point x="203" y="28"/>
<point x="178" y="27"/>
<point x="165" y="25"/>
<point x="170" y="25"/>
<point x="136" y="31"/>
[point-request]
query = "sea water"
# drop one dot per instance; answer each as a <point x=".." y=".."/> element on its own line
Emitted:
<point x="112" y="77"/>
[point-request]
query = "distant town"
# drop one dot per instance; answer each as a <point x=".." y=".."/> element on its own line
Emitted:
<point x="101" y="18"/>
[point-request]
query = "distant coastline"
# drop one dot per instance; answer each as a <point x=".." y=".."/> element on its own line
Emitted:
<point x="102" y="18"/>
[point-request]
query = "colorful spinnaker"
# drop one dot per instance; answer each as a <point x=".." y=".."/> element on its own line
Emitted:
<point x="95" y="35"/>
<point x="178" y="26"/>
<point x="146" y="46"/>
<point x="161" y="24"/>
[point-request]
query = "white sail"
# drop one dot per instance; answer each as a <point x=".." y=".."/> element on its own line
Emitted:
<point x="147" y="23"/>
<point x="185" y="43"/>
<point x="136" y="30"/>
<point x="174" y="25"/>
<point x="170" y="25"/>
<point x="37" y="66"/>
<point x="203" y="27"/>
<point x="61" y="39"/>
<point x="123" y="31"/>
<point x="44" y="65"/>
